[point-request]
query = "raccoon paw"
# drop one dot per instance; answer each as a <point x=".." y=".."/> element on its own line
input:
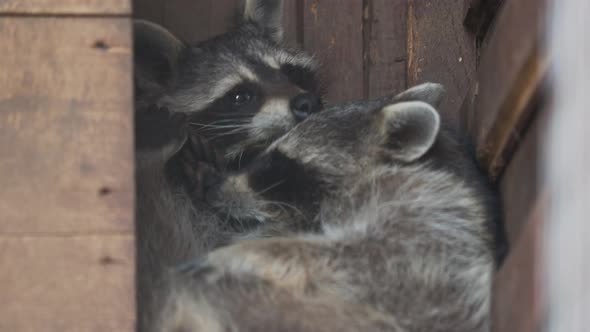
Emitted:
<point x="287" y="263"/>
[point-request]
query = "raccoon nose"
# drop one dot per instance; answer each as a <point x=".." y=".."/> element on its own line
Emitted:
<point x="304" y="105"/>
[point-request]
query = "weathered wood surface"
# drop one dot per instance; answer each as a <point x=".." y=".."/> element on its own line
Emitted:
<point x="441" y="50"/>
<point x="386" y="55"/>
<point x="333" y="31"/>
<point x="517" y="303"/>
<point x="521" y="182"/>
<point x="67" y="284"/>
<point x="66" y="203"/>
<point x="78" y="7"/>
<point x="512" y="69"/>
<point x="66" y="125"/>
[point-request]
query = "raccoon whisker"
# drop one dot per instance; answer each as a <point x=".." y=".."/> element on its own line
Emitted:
<point x="212" y="126"/>
<point x="283" y="205"/>
<point x="274" y="185"/>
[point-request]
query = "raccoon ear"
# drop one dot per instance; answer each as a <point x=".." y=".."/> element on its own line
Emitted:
<point x="268" y="14"/>
<point x="156" y="54"/>
<point x="409" y="129"/>
<point x="430" y="93"/>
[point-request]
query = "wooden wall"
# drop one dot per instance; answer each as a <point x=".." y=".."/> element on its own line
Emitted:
<point x="66" y="167"/>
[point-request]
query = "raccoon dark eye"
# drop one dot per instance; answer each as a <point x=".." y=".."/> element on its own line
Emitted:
<point x="240" y="97"/>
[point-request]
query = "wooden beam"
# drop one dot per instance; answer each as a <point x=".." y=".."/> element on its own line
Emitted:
<point x="63" y="284"/>
<point x="518" y="304"/>
<point x="66" y="134"/>
<point x="511" y="71"/>
<point x="67" y="7"/>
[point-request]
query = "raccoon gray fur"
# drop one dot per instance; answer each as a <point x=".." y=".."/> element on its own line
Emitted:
<point x="404" y="242"/>
<point x="219" y="102"/>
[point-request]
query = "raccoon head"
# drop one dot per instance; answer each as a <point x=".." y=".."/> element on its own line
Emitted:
<point x="318" y="157"/>
<point x="239" y="91"/>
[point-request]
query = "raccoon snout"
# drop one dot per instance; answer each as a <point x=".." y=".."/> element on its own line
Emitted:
<point x="304" y="105"/>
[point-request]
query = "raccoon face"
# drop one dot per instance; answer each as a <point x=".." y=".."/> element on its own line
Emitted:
<point x="322" y="155"/>
<point x="239" y="91"/>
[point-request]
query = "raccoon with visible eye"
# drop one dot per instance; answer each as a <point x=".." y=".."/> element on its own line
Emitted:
<point x="238" y="91"/>
<point x="216" y="103"/>
<point x="404" y="240"/>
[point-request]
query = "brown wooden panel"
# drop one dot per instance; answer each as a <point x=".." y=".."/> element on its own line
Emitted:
<point x="292" y="22"/>
<point x="67" y="284"/>
<point x="65" y="6"/>
<point x="387" y="54"/>
<point x="517" y="303"/>
<point x="151" y="10"/>
<point x="510" y="74"/>
<point x="441" y="50"/>
<point x="522" y="179"/>
<point x="333" y="31"/>
<point x="66" y="125"/>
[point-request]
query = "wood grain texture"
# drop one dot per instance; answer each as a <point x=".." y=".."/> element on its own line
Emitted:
<point x="78" y="7"/>
<point x="511" y="71"/>
<point x="194" y="21"/>
<point x="66" y="136"/>
<point x="517" y="305"/>
<point x="522" y="180"/>
<point x="441" y="50"/>
<point x="387" y="54"/>
<point x="333" y="31"/>
<point x="151" y="10"/>
<point x="62" y="284"/>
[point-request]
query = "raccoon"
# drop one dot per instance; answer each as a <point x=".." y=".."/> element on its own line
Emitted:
<point x="217" y="103"/>
<point x="404" y="241"/>
<point x="238" y="91"/>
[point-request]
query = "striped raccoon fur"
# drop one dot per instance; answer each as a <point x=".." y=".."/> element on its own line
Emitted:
<point x="220" y="102"/>
<point x="404" y="242"/>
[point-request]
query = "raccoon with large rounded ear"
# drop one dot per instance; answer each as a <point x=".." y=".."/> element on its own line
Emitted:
<point x="267" y="15"/>
<point x="409" y="129"/>
<point x="155" y="57"/>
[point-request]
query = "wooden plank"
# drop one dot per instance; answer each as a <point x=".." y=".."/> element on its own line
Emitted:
<point x="151" y="10"/>
<point x="292" y="20"/>
<point x="386" y="47"/>
<point x="522" y="180"/>
<point x="333" y="31"/>
<point x="511" y="71"/>
<point x="66" y="125"/>
<point x="67" y="284"/>
<point x="441" y="50"/>
<point x="70" y="7"/>
<point x="479" y="15"/>
<point x="517" y="304"/>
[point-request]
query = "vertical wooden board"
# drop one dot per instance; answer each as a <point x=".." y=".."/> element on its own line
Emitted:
<point x="512" y="69"/>
<point x="333" y="31"/>
<point x="522" y="179"/>
<point x="517" y="304"/>
<point x="387" y="47"/>
<point x="194" y="21"/>
<point x="151" y="10"/>
<point x="441" y="50"/>
<point x="66" y="136"/>
<point x="95" y="7"/>
<point x="292" y="22"/>
<point x="62" y="284"/>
